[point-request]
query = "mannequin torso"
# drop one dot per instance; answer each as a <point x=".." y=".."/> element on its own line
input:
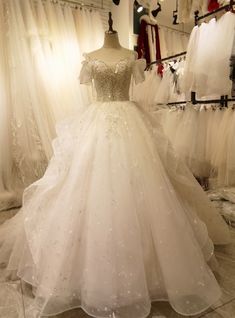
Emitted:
<point x="111" y="51"/>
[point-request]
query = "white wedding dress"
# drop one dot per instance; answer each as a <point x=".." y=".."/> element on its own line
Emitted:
<point x="114" y="223"/>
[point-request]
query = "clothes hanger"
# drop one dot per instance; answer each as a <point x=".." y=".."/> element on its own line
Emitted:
<point x="116" y="2"/>
<point x="156" y="11"/>
<point x="232" y="3"/>
<point x="175" y="14"/>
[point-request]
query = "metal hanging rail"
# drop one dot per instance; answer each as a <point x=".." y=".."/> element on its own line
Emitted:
<point x="177" y="103"/>
<point x="173" y="56"/>
<point x="166" y="59"/>
<point x="226" y="7"/>
<point x="75" y="4"/>
<point x="172" y="29"/>
<point x="223" y="101"/>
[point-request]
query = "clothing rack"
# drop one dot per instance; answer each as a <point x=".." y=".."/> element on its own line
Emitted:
<point x="223" y="101"/>
<point x="177" y="103"/>
<point x="166" y="59"/>
<point x="226" y="7"/>
<point x="77" y="4"/>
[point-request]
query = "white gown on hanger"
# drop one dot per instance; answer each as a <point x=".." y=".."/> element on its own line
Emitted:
<point x="207" y="74"/>
<point x="113" y="224"/>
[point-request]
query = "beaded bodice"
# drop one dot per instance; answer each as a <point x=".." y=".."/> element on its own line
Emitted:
<point x="112" y="80"/>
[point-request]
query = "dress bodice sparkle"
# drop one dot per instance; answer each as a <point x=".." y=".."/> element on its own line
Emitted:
<point x="112" y="80"/>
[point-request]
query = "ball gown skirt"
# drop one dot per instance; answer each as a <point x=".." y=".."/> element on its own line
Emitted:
<point x="117" y="221"/>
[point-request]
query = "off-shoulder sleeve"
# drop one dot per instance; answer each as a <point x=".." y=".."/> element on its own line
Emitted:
<point x="86" y="73"/>
<point x="138" y="70"/>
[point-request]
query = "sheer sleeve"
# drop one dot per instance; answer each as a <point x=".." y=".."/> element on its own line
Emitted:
<point x="86" y="73"/>
<point x="138" y="70"/>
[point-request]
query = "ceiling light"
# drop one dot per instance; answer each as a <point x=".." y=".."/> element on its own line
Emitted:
<point x="138" y="7"/>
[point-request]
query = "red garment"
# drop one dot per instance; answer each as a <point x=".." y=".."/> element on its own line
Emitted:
<point x="143" y="44"/>
<point x="213" y="5"/>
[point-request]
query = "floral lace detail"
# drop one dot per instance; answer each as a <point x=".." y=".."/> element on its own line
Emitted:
<point x="111" y="80"/>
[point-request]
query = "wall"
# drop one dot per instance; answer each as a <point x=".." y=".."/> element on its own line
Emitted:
<point x="122" y="17"/>
<point x="106" y="7"/>
<point x="123" y="20"/>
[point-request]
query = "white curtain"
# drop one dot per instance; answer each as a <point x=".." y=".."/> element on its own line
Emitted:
<point x="41" y="52"/>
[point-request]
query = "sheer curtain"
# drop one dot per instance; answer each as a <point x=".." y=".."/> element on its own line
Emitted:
<point x="42" y="43"/>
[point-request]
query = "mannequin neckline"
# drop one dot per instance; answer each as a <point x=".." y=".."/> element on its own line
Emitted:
<point x="124" y="59"/>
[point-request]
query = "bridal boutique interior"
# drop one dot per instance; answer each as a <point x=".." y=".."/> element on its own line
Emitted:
<point x="114" y="207"/>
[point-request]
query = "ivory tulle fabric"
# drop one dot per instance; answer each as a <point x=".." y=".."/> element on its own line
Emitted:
<point x="144" y="92"/>
<point x="42" y="44"/>
<point x="117" y="220"/>
<point x="207" y="73"/>
<point x="158" y="90"/>
<point x="203" y="136"/>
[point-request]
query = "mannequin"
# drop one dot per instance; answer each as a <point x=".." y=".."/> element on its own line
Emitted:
<point x="112" y="51"/>
<point x="114" y="248"/>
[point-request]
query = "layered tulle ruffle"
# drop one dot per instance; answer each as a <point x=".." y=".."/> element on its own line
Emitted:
<point x="114" y="223"/>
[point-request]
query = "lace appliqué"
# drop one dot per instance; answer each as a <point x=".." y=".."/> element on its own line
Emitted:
<point x="112" y="123"/>
<point x="112" y="80"/>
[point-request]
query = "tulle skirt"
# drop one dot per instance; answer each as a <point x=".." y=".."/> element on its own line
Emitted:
<point x="187" y="130"/>
<point x="115" y="223"/>
<point x="203" y="137"/>
<point x="224" y="157"/>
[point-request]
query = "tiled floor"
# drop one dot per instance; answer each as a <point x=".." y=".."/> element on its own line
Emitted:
<point x="16" y="297"/>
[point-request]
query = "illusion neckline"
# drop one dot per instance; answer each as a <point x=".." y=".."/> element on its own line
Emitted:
<point x="126" y="59"/>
